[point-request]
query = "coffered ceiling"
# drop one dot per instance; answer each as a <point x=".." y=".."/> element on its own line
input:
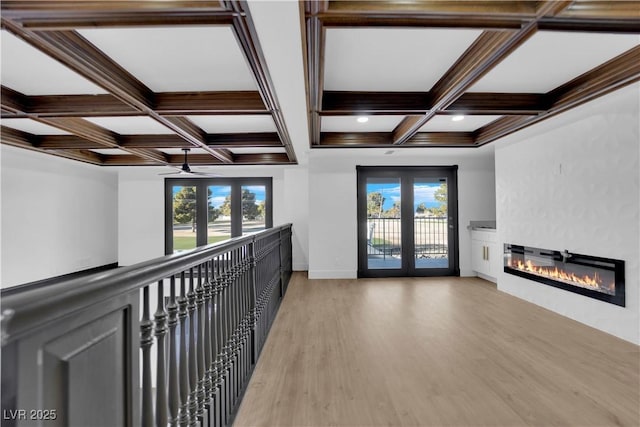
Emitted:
<point x="132" y="83"/>
<point x="459" y="73"/>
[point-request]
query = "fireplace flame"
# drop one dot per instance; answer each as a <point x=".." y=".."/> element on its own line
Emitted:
<point x="586" y="281"/>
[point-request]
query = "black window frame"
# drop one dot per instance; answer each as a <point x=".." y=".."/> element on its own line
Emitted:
<point x="201" y="185"/>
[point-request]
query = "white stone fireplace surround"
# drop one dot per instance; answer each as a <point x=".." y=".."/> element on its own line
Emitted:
<point x="573" y="182"/>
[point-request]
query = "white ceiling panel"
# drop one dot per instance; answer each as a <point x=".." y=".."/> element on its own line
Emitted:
<point x="110" y="151"/>
<point x="130" y="125"/>
<point x="549" y="59"/>
<point x="235" y="124"/>
<point x="33" y="127"/>
<point x="391" y="59"/>
<point x="31" y="72"/>
<point x="442" y="123"/>
<point x="179" y="58"/>
<point x="351" y="124"/>
<point x="257" y="150"/>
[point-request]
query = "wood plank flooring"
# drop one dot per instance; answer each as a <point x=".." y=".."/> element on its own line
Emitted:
<point x="435" y="352"/>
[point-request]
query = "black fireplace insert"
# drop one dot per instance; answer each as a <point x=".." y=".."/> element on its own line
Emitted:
<point x="595" y="277"/>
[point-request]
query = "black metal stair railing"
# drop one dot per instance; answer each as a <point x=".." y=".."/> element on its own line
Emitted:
<point x="90" y="351"/>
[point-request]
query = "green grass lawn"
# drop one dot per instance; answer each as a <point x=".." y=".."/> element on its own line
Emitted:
<point x="181" y="243"/>
<point x="376" y="241"/>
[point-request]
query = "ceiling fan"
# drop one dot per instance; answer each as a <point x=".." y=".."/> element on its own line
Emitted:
<point x="185" y="169"/>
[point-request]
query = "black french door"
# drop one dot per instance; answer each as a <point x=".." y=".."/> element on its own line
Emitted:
<point x="407" y="221"/>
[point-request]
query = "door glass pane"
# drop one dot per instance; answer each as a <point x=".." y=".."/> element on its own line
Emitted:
<point x="430" y="223"/>
<point x="218" y="213"/>
<point x="383" y="223"/>
<point x="253" y="208"/>
<point x="184" y="218"/>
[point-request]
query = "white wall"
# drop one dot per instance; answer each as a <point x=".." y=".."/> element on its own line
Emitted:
<point x="333" y="239"/>
<point x="296" y="211"/>
<point x="572" y="182"/>
<point x="141" y="212"/>
<point x="58" y="216"/>
<point x="140" y="215"/>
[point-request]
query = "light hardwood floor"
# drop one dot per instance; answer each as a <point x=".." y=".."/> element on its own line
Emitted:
<point x="435" y="352"/>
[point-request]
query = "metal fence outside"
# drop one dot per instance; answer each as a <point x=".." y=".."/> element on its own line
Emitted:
<point x="430" y="237"/>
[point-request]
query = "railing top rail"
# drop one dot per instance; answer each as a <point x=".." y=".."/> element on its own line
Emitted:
<point x="27" y="309"/>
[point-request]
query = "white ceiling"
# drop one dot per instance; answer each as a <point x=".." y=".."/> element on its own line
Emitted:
<point x="139" y="125"/>
<point x="256" y="150"/>
<point x="443" y="123"/>
<point x="279" y="30"/>
<point x="235" y="124"/>
<point x="178" y="58"/>
<point x="351" y="124"/>
<point x="36" y="73"/>
<point x="109" y="151"/>
<point x="391" y="59"/>
<point x="549" y="59"/>
<point x="33" y="127"/>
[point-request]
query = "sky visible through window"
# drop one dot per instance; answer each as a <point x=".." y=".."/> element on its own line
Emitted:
<point x="422" y="193"/>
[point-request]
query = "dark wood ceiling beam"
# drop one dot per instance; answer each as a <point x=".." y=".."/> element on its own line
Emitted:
<point x="74" y="7"/>
<point x="383" y="139"/>
<point x="625" y="9"/>
<point x="619" y="26"/>
<point x="81" y="56"/>
<point x="249" y="42"/>
<point x="16" y="138"/>
<point x="592" y="16"/>
<point x="421" y="21"/>
<point x="67" y="142"/>
<point x="217" y="141"/>
<point x="355" y="139"/>
<point x="154" y="141"/>
<point x="13" y="101"/>
<point x="522" y="8"/>
<point x="501" y="127"/>
<point x="442" y="139"/>
<point x="261" y="159"/>
<point x="415" y="103"/>
<point x="193" y="134"/>
<point x="408" y="127"/>
<point x="194" y="159"/>
<point x="78" y="106"/>
<point x="170" y="103"/>
<point x="191" y="103"/>
<point x="610" y="76"/>
<point x="348" y="103"/>
<point x="94" y="133"/>
<point x="315" y="58"/>
<point x="66" y="15"/>
<point x="614" y="74"/>
<point x="231" y="140"/>
<point x="488" y="50"/>
<point x="498" y="103"/>
<point x="551" y="8"/>
<point x="78" y="54"/>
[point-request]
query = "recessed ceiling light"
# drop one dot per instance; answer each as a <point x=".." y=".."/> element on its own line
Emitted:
<point x="363" y="119"/>
<point x="457" y="118"/>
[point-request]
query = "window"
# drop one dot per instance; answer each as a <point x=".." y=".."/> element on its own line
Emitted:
<point x="199" y="212"/>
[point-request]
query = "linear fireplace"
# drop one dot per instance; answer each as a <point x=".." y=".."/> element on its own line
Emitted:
<point x="595" y="277"/>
